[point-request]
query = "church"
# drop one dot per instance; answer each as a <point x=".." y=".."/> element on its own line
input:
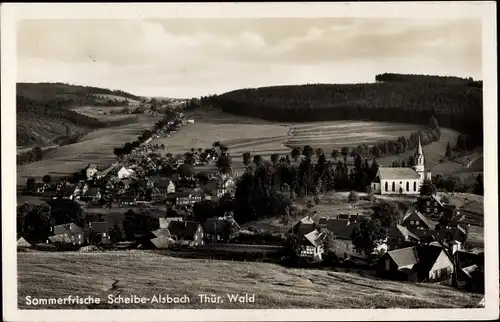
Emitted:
<point x="407" y="181"/>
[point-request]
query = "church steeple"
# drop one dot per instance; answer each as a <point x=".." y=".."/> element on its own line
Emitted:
<point x="419" y="161"/>
<point x="419" y="150"/>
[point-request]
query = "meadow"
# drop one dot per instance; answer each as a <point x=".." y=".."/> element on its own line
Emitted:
<point x="149" y="273"/>
<point x="95" y="147"/>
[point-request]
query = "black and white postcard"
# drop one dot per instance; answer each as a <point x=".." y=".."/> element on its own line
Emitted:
<point x="252" y="161"/>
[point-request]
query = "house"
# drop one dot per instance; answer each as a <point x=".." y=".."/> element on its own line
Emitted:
<point x="220" y="229"/>
<point x="399" y="235"/>
<point x="337" y="225"/>
<point x="92" y="194"/>
<point x="162" y="242"/>
<point x="125" y="173"/>
<point x="98" y="232"/>
<point x="399" y="180"/>
<point x="184" y="198"/>
<point x="127" y="198"/>
<point x="90" y="171"/>
<point x="452" y="236"/>
<point x="23" y="243"/>
<point x="162" y="232"/>
<point x="420" y="263"/>
<point x="187" y="233"/>
<point x="40" y="187"/>
<point x="472" y="278"/>
<point x="69" y="192"/>
<point x="414" y="219"/>
<point x="303" y="226"/>
<point x="434" y="206"/>
<point x="164" y="222"/>
<point x="225" y="185"/>
<point x="186" y="184"/>
<point x="67" y="234"/>
<point x="311" y="248"/>
<point x="162" y="187"/>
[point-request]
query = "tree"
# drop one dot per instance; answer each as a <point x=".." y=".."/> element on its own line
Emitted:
<point x="344" y="152"/>
<point x="448" y="150"/>
<point x="37" y="151"/>
<point x="368" y="235"/>
<point x="479" y="185"/>
<point x="295" y="154"/>
<point x="335" y="154"/>
<point x="293" y="248"/>
<point x="387" y="213"/>
<point x="162" y="146"/>
<point x="307" y="151"/>
<point x="34" y="222"/>
<point x="30" y="184"/>
<point x="318" y="152"/>
<point x="224" y="164"/>
<point x="204" y="210"/>
<point x="275" y="158"/>
<point x="257" y="159"/>
<point x="65" y="211"/>
<point x="246" y="158"/>
<point x="46" y="179"/>
<point x="186" y="170"/>
<point x="427" y="188"/>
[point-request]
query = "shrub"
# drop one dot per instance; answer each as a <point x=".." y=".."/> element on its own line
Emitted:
<point x="353" y="197"/>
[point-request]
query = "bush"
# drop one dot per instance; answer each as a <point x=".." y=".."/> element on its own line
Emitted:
<point x="353" y="197"/>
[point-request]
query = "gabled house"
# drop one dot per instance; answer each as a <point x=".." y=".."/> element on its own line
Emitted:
<point x="415" y="219"/>
<point x="337" y="225"/>
<point x="68" y="234"/>
<point x="69" y="192"/>
<point x="420" y="263"/>
<point x="452" y="236"/>
<point x="90" y="171"/>
<point x="311" y="248"/>
<point x="23" y="243"/>
<point x="303" y="226"/>
<point x="399" y="235"/>
<point x="125" y="173"/>
<point x="188" y="233"/>
<point x="184" y="198"/>
<point x="164" y="222"/>
<point x="434" y="206"/>
<point x="225" y="185"/>
<point x="218" y="230"/>
<point x="128" y="198"/>
<point x="472" y="278"/>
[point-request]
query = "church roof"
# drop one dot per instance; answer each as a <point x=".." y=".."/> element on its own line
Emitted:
<point x="419" y="149"/>
<point x="389" y="173"/>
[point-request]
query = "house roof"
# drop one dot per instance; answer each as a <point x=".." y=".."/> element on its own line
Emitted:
<point x="183" y="229"/>
<point x="407" y="256"/>
<point x="99" y="226"/>
<point x="68" y="189"/>
<point x="161" y="232"/>
<point x="428" y="255"/>
<point x="417" y="215"/>
<point x="422" y="234"/>
<point x="336" y="225"/>
<point x="390" y="173"/>
<point x="56" y="238"/>
<point x="21" y="242"/>
<point x="322" y="221"/>
<point x="312" y="237"/>
<point x="399" y="231"/>
<point x="69" y="229"/>
<point x="346" y="233"/>
<point x="162" y="241"/>
<point x="469" y="270"/>
<point x="343" y="216"/>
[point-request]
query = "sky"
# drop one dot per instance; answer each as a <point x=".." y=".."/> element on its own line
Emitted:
<point x="185" y="58"/>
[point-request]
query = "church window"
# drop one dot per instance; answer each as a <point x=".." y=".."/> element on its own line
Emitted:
<point x="386" y="187"/>
<point x="411" y="222"/>
<point x="407" y="186"/>
<point x="414" y="186"/>
<point x="428" y="203"/>
<point x="428" y="209"/>
<point x="393" y="186"/>
<point x="416" y="222"/>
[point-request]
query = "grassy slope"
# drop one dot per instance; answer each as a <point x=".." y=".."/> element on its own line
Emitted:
<point x="147" y="274"/>
<point x="40" y="121"/>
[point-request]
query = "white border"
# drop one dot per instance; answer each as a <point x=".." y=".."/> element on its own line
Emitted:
<point x="11" y="13"/>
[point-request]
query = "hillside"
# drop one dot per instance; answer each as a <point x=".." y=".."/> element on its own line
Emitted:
<point x="456" y="103"/>
<point x="146" y="274"/>
<point x="43" y="111"/>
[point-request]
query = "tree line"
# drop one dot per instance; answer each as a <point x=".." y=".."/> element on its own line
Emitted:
<point x="455" y="105"/>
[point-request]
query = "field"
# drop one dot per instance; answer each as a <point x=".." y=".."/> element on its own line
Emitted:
<point x="95" y="147"/>
<point x="245" y="134"/>
<point x="148" y="274"/>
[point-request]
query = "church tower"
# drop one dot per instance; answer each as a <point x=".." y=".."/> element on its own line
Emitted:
<point x="419" y="162"/>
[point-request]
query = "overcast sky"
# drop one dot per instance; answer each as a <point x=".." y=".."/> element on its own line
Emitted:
<point x="193" y="57"/>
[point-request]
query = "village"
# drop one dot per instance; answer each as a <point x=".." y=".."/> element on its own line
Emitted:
<point x="413" y="249"/>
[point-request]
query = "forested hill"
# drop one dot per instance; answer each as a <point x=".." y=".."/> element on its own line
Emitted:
<point x="67" y="93"/>
<point x="456" y="102"/>
<point x="44" y="116"/>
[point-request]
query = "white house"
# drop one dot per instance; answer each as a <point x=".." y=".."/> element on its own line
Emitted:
<point x="401" y="180"/>
<point x="125" y="173"/>
<point x="311" y="247"/>
<point x="90" y="171"/>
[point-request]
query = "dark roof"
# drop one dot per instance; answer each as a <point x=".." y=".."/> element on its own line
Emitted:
<point x="337" y="225"/>
<point x="414" y="214"/>
<point x="304" y="226"/>
<point x="346" y="233"/>
<point x="162" y="182"/>
<point x="70" y="228"/>
<point x="92" y="192"/>
<point x="399" y="231"/>
<point x="183" y="229"/>
<point x="404" y="256"/>
<point x="99" y="227"/>
<point x="424" y="235"/>
<point x="69" y="189"/>
<point x="428" y="255"/>
<point x="343" y="216"/>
